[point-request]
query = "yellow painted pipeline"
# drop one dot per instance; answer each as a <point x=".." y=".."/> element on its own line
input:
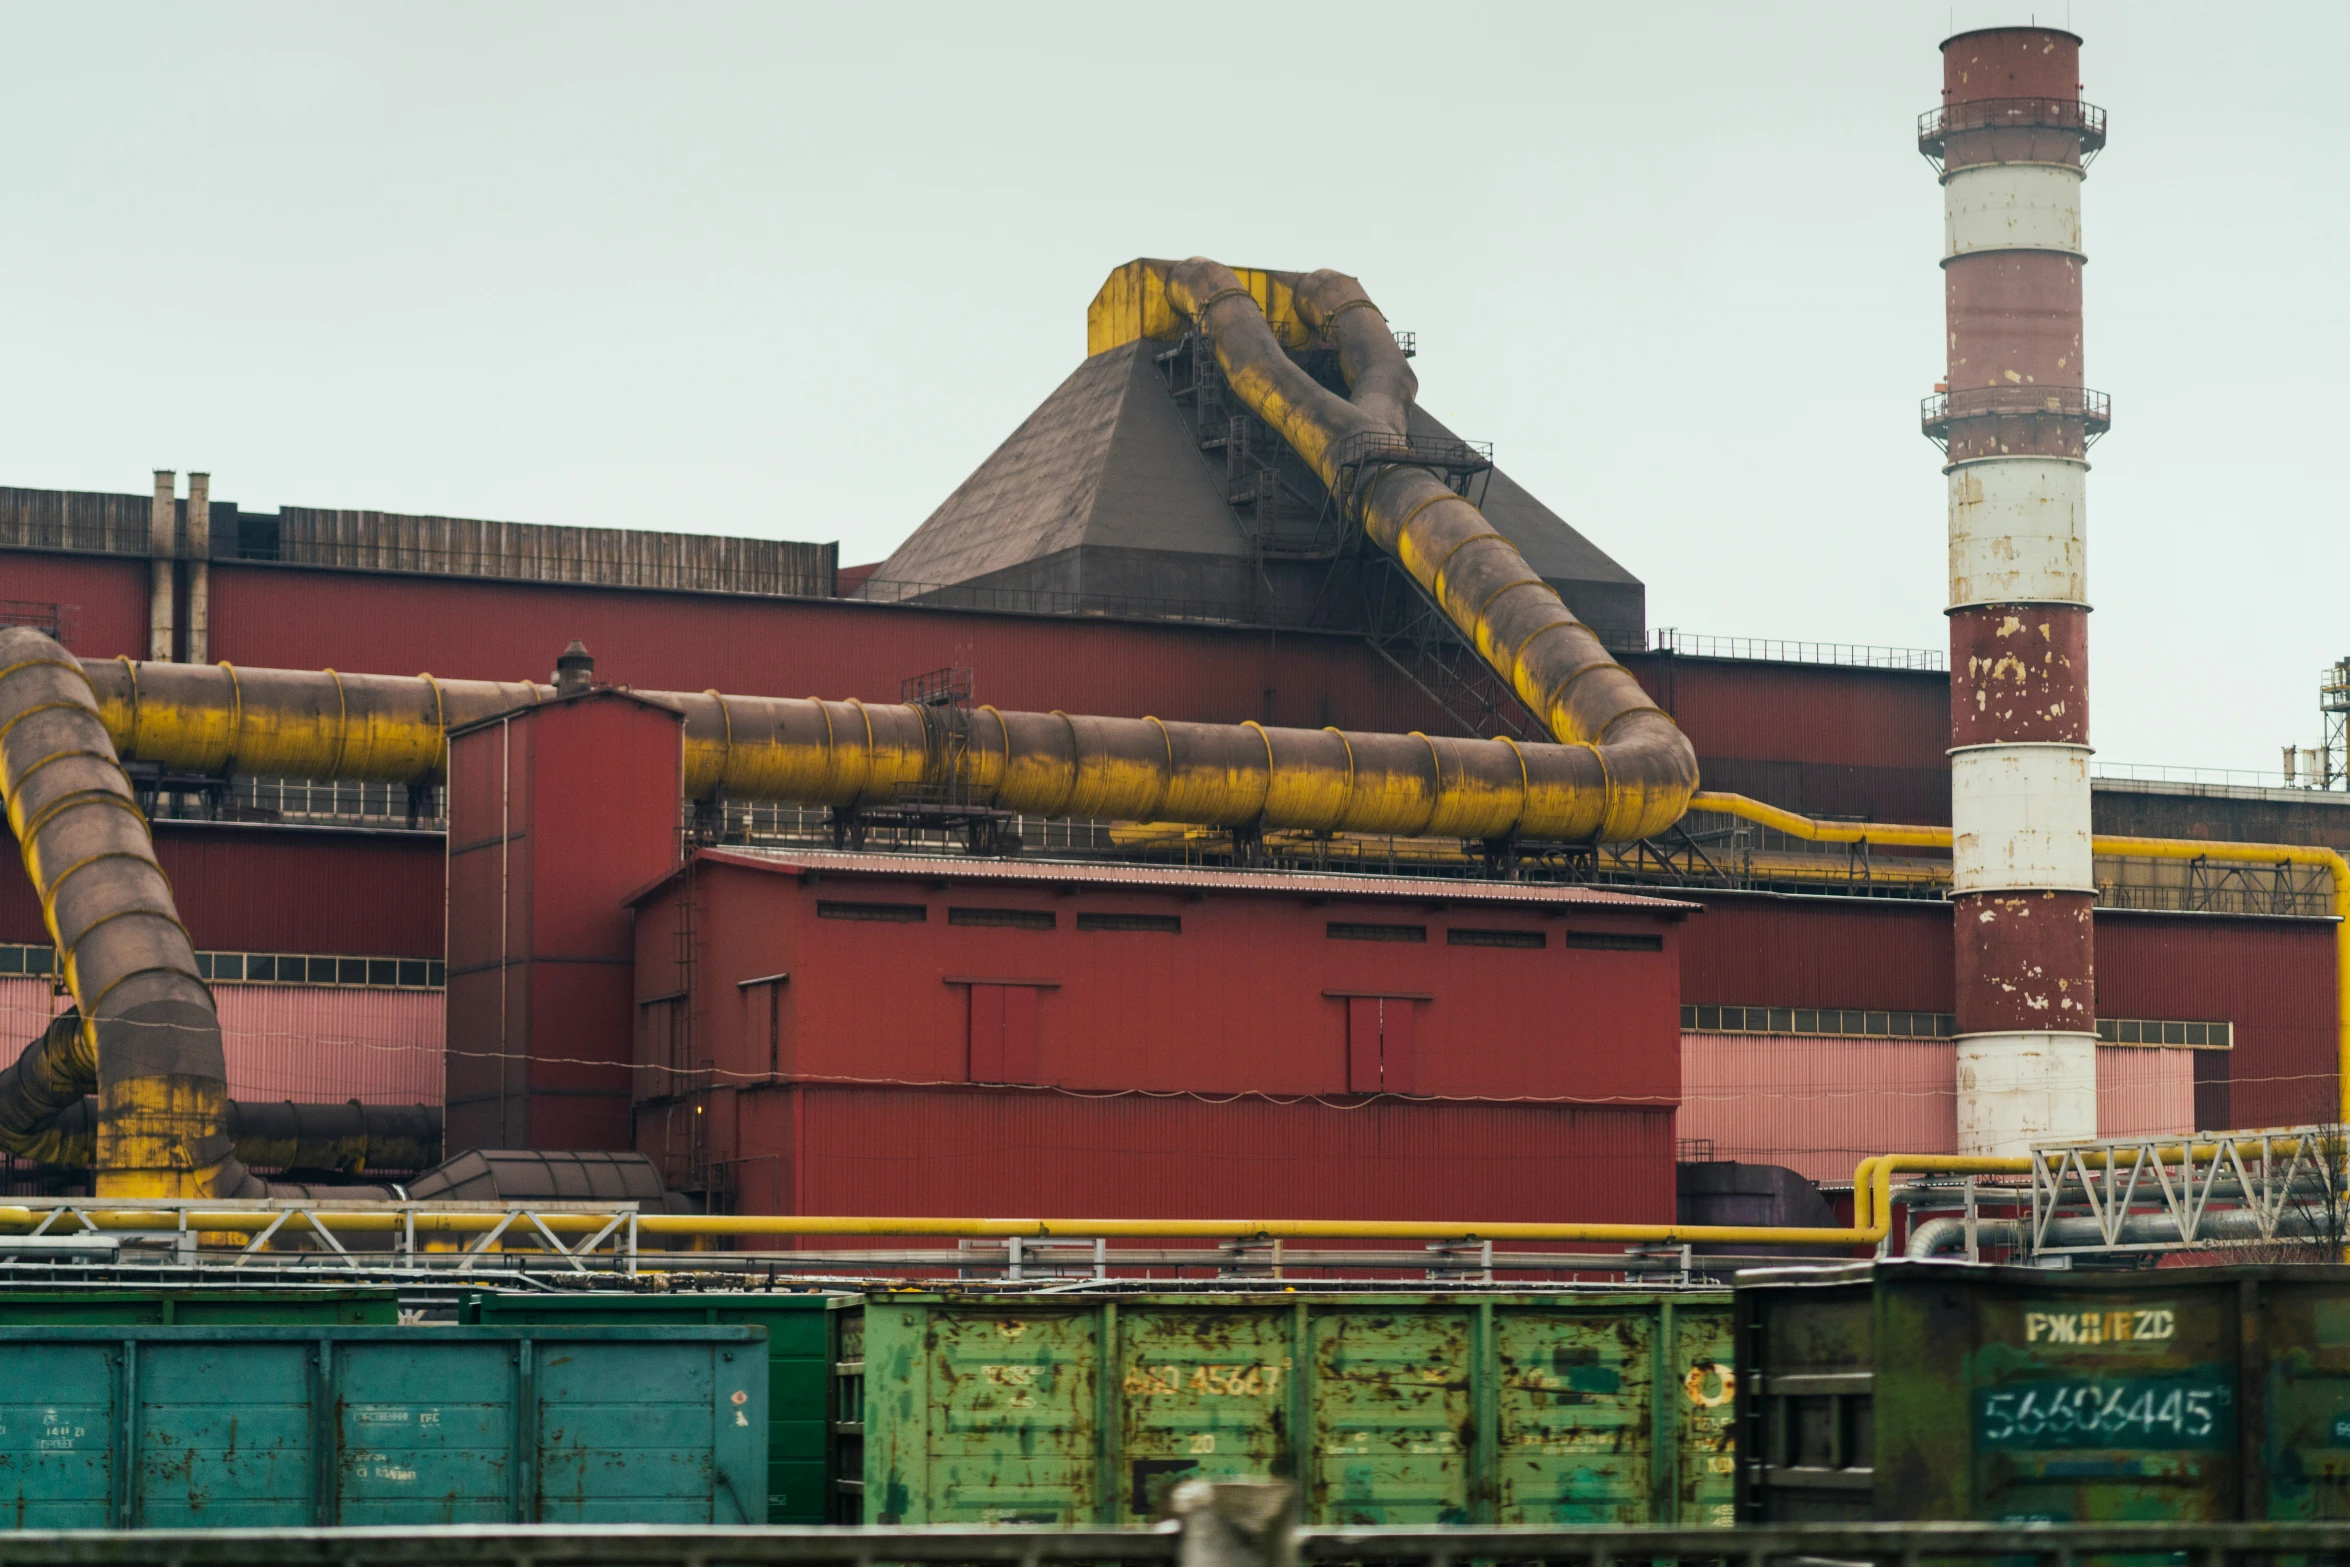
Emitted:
<point x="216" y="719"/>
<point x="1515" y="620"/>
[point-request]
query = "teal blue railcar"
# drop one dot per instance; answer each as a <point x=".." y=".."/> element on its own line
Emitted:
<point x="275" y="1427"/>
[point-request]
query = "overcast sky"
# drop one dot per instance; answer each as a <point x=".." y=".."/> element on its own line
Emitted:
<point x="794" y="271"/>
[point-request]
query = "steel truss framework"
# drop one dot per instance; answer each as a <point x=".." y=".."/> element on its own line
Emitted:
<point x="2278" y="1187"/>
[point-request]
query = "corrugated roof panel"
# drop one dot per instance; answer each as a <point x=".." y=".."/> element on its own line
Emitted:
<point x="965" y="869"/>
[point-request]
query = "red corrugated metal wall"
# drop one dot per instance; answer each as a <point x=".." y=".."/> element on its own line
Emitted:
<point x="904" y="1151"/>
<point x="108" y="598"/>
<point x="1831" y="739"/>
<point x="1818" y="952"/>
<point x="554" y="818"/>
<point x="283" y="889"/>
<point x="2274" y="979"/>
<point x="300" y="619"/>
<point x="1249" y="997"/>
<point x="1195" y="1072"/>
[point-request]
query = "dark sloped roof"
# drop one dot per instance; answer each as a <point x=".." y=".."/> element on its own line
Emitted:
<point x="1106" y="470"/>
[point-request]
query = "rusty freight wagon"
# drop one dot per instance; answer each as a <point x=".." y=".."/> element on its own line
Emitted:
<point x="1391" y="1408"/>
<point x="1921" y="1390"/>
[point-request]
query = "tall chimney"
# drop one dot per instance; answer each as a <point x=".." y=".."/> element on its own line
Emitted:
<point x="199" y="568"/>
<point x="2012" y="141"/>
<point x="162" y="551"/>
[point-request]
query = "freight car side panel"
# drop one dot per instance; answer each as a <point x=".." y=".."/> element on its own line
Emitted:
<point x="2095" y="1408"/>
<point x="1393" y="1417"/>
<point x="224" y="1434"/>
<point x="1012" y="1413"/>
<point x="1703" y="1483"/>
<point x="2308" y="1403"/>
<point x="797" y="1360"/>
<point x="274" y="1427"/>
<point x="57" y="1421"/>
<point x="1206" y="1395"/>
<point x="424" y="1440"/>
<point x="1388" y="1409"/>
<point x="1917" y="1390"/>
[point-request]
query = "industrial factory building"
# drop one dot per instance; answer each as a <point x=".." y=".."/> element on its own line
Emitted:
<point x="1238" y="797"/>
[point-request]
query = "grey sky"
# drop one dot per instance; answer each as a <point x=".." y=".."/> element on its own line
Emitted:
<point x="794" y="271"/>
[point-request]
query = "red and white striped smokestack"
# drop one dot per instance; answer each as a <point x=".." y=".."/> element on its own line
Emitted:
<point x="2012" y="141"/>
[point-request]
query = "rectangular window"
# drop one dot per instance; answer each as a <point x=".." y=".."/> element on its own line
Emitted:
<point x="1380" y="1051"/>
<point x="383" y="971"/>
<point x="1340" y="930"/>
<point x="322" y="970"/>
<point x="1003" y="1034"/>
<point x="1008" y="919"/>
<point x="1608" y="941"/>
<point x="1457" y="937"/>
<point x="887" y="913"/>
<point x="1163" y="924"/>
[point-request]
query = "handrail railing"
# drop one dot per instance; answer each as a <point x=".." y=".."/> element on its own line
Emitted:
<point x="2084" y="120"/>
<point x="1216" y="1544"/>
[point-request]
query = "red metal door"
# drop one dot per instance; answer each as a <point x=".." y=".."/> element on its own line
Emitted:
<point x="1003" y="1034"/>
<point x="1379" y="1045"/>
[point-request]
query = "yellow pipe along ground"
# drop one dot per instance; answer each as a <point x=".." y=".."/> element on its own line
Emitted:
<point x="1872" y="1205"/>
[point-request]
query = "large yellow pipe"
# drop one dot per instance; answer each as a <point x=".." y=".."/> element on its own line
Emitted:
<point x="1360" y="451"/>
<point x="218" y="719"/>
<point x="143" y="1034"/>
<point x="2337" y="870"/>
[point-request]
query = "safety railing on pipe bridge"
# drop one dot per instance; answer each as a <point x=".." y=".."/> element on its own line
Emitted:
<point x="322" y="1234"/>
<point x="1196" y="1544"/>
<point x="224" y="1241"/>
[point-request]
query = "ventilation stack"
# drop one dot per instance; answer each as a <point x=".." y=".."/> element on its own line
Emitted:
<point x="2012" y="141"/>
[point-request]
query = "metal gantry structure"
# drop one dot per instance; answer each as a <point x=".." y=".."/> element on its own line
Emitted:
<point x="2259" y="1189"/>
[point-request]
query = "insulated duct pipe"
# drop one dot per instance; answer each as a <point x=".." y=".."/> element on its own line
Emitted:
<point x="143" y="1031"/>
<point x="1513" y="618"/>
<point x="350" y="1137"/>
<point x="2239" y="1226"/>
<point x="221" y="719"/>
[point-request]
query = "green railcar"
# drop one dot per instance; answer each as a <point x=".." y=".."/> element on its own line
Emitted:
<point x="275" y="1427"/>
<point x="1392" y="1408"/>
<point x="1918" y="1390"/>
<point x="798" y="1361"/>
<point x="287" y="1306"/>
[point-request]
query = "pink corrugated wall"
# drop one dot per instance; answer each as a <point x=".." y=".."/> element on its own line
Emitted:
<point x="314" y="1043"/>
<point x="2144" y="1093"/>
<point x="1820" y="1106"/>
